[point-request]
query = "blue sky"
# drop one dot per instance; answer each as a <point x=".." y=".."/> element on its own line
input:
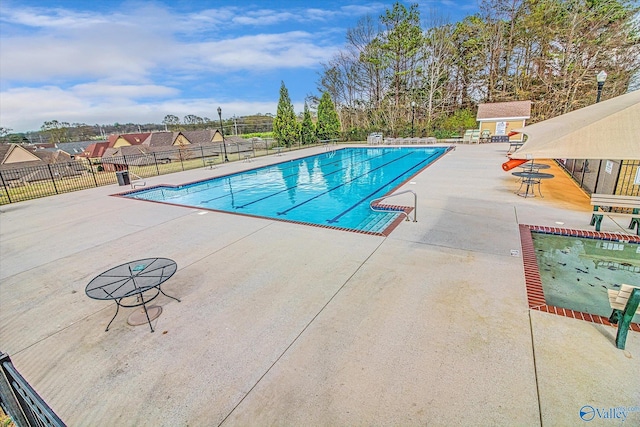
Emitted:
<point x="137" y="61"/>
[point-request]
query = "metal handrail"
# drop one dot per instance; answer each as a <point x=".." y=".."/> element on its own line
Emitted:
<point x="415" y="204"/>
<point x="137" y="184"/>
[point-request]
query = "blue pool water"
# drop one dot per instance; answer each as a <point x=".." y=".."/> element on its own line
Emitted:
<point x="332" y="188"/>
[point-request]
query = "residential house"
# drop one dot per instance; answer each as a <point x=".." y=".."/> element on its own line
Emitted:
<point x="94" y="151"/>
<point x="19" y="165"/>
<point x="125" y="139"/>
<point x="164" y="147"/>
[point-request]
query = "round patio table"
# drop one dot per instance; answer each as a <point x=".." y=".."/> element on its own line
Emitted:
<point x="531" y="179"/>
<point x="533" y="167"/>
<point x="134" y="279"/>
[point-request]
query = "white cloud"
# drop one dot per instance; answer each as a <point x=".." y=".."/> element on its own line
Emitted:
<point x="51" y="18"/>
<point x="261" y="51"/>
<point x="138" y="62"/>
<point x="263" y="17"/>
<point x="130" y="51"/>
<point x="27" y="109"/>
<point x="111" y="91"/>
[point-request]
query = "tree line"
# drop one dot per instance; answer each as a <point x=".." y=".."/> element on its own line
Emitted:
<point x="394" y="75"/>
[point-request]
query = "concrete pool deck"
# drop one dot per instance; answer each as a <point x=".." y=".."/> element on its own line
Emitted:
<point x="285" y="324"/>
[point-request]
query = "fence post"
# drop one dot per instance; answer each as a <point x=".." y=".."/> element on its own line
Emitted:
<point x="202" y="156"/>
<point x="93" y="173"/>
<point x="181" y="162"/>
<point x="155" y="162"/>
<point x="53" y="180"/>
<point x="6" y="188"/>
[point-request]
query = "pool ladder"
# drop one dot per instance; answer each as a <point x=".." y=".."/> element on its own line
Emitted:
<point x="415" y="205"/>
<point x="135" y="184"/>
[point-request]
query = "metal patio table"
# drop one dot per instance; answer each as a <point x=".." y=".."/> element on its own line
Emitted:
<point x="134" y="279"/>
<point x="531" y="179"/>
<point x="533" y="167"/>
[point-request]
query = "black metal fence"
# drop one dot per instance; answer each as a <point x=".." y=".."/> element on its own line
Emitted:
<point x="20" y="401"/>
<point x="25" y="183"/>
<point x="605" y="176"/>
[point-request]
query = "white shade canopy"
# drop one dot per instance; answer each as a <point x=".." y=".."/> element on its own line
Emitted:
<point x="607" y="130"/>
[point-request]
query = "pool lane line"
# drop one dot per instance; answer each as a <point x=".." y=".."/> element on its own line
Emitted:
<point x="297" y="185"/>
<point x="337" y="217"/>
<point x="270" y="168"/>
<point x="274" y="169"/>
<point x="341" y="185"/>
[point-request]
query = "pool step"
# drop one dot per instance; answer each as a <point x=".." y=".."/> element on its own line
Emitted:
<point x="377" y="222"/>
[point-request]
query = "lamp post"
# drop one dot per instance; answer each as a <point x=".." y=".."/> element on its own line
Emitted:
<point x="224" y="144"/>
<point x="413" y="114"/>
<point x="600" y="78"/>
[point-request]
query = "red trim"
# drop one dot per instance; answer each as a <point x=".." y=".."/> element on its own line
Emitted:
<point x="535" y="293"/>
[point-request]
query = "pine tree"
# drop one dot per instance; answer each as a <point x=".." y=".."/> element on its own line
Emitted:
<point x="308" y="132"/>
<point x="285" y="125"/>
<point x="328" y="126"/>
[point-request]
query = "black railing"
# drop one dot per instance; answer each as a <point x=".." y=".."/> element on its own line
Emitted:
<point x="20" y="401"/>
<point x="26" y="183"/>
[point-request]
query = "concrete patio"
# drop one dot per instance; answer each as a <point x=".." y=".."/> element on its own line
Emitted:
<point x="285" y="324"/>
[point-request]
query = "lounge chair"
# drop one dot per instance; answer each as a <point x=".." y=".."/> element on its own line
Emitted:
<point x="466" y="139"/>
<point x="475" y="136"/>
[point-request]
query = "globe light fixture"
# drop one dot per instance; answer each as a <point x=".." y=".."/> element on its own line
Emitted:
<point x="600" y="78"/>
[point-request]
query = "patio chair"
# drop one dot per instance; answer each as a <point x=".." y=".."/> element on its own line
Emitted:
<point x="466" y="139"/>
<point x="475" y="136"/>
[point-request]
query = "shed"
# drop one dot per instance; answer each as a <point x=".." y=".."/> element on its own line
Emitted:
<point x="501" y="118"/>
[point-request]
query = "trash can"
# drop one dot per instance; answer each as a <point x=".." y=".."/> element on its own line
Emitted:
<point x="123" y="177"/>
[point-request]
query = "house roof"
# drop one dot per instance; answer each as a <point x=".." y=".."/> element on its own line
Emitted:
<point x="74" y="148"/>
<point x="9" y="159"/>
<point x="160" y="139"/>
<point x="131" y="138"/>
<point x="71" y="148"/>
<point x="42" y="146"/>
<point x="95" y="150"/>
<point x="36" y="157"/>
<point x="4" y="150"/>
<point x="199" y="136"/>
<point x="504" y="110"/>
<point x="52" y="156"/>
<point x="127" y="150"/>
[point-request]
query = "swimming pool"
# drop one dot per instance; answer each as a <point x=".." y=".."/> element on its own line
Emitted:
<point x="568" y="271"/>
<point x="330" y="189"/>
